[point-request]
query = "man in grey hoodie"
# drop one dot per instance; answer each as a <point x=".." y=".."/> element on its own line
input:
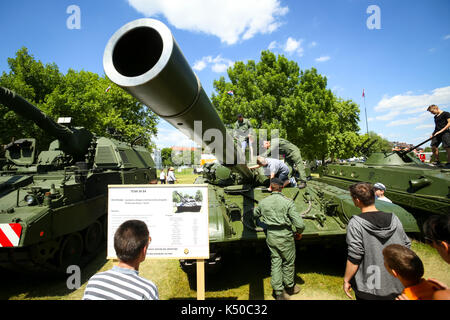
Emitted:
<point x="367" y="235"/>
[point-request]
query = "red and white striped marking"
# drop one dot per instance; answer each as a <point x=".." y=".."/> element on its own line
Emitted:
<point x="10" y="234"/>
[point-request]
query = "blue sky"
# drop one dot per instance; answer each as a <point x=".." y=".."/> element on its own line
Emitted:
<point x="403" y="63"/>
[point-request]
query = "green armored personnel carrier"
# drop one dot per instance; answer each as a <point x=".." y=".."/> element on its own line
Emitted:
<point x="144" y="59"/>
<point x="417" y="186"/>
<point x="53" y="205"/>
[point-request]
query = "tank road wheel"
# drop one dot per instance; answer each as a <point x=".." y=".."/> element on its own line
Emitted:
<point x="93" y="237"/>
<point x="71" y="250"/>
<point x="43" y="252"/>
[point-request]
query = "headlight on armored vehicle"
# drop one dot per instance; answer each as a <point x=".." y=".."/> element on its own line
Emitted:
<point x="30" y="199"/>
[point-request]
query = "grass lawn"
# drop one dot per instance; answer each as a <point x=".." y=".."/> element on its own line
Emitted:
<point x="244" y="275"/>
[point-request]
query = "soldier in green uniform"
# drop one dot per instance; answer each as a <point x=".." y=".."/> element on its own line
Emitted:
<point x="292" y="153"/>
<point x="243" y="132"/>
<point x="279" y="217"/>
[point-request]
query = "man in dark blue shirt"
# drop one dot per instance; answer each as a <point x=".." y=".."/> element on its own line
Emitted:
<point x="441" y="132"/>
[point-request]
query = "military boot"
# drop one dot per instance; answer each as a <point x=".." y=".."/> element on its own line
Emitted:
<point x="292" y="290"/>
<point x="301" y="184"/>
<point x="280" y="296"/>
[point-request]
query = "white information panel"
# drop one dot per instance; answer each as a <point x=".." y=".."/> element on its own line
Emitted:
<point x="176" y="216"/>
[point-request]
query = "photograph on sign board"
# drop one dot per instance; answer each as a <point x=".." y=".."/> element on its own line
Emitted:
<point x="190" y="201"/>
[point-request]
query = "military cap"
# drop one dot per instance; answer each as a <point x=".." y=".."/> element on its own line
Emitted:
<point x="276" y="181"/>
<point x="379" y="186"/>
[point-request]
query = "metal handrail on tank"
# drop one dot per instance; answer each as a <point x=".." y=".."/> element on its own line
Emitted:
<point x="143" y="58"/>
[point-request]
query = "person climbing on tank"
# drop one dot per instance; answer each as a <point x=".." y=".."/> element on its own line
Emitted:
<point x="243" y="133"/>
<point x="293" y="156"/>
<point x="283" y="225"/>
<point x="274" y="168"/>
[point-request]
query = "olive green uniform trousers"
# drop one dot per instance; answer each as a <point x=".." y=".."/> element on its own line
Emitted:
<point x="281" y="244"/>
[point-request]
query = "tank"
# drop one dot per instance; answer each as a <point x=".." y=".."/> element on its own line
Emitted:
<point x="187" y="204"/>
<point x="421" y="188"/>
<point x="53" y="205"/>
<point x="144" y="59"/>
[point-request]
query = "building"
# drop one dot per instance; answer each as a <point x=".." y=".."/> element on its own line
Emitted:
<point x="156" y="155"/>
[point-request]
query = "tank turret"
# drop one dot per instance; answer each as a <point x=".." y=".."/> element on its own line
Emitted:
<point x="73" y="141"/>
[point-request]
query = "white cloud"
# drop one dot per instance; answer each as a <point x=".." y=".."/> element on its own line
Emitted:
<point x="199" y="65"/>
<point x="406" y="121"/>
<point x="293" y="45"/>
<point x="446" y="37"/>
<point x="312" y="44"/>
<point x="231" y="20"/>
<point x="388" y="116"/>
<point x="337" y="89"/>
<point x="169" y="137"/>
<point x="273" y="45"/>
<point x="323" y="59"/>
<point x="409" y="103"/>
<point x="218" y="64"/>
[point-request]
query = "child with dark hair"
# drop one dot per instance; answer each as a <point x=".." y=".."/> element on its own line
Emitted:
<point x="123" y="282"/>
<point x="437" y="232"/>
<point x="405" y="265"/>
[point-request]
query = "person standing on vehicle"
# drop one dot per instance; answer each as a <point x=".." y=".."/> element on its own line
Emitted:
<point x="441" y="133"/>
<point x="243" y="133"/>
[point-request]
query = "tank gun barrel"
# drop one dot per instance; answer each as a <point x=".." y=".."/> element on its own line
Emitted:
<point x="143" y="58"/>
<point x="74" y="141"/>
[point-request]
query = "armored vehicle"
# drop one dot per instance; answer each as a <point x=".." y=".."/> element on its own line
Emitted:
<point x="421" y="188"/>
<point x="53" y="204"/>
<point x="144" y="59"/>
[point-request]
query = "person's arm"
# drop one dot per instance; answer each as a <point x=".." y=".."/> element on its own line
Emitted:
<point x="295" y="218"/>
<point x="441" y="295"/>
<point x="350" y="271"/>
<point x="256" y="166"/>
<point x="256" y="212"/>
<point x="444" y="128"/>
<point x="355" y="253"/>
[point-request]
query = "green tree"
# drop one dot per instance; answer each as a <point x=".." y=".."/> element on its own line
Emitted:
<point x="199" y="196"/>
<point x="92" y="101"/>
<point x="34" y="81"/>
<point x="380" y="145"/>
<point x="275" y="94"/>
<point x="166" y="157"/>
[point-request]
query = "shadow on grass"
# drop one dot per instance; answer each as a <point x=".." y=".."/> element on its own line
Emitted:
<point x="38" y="285"/>
<point x="251" y="267"/>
